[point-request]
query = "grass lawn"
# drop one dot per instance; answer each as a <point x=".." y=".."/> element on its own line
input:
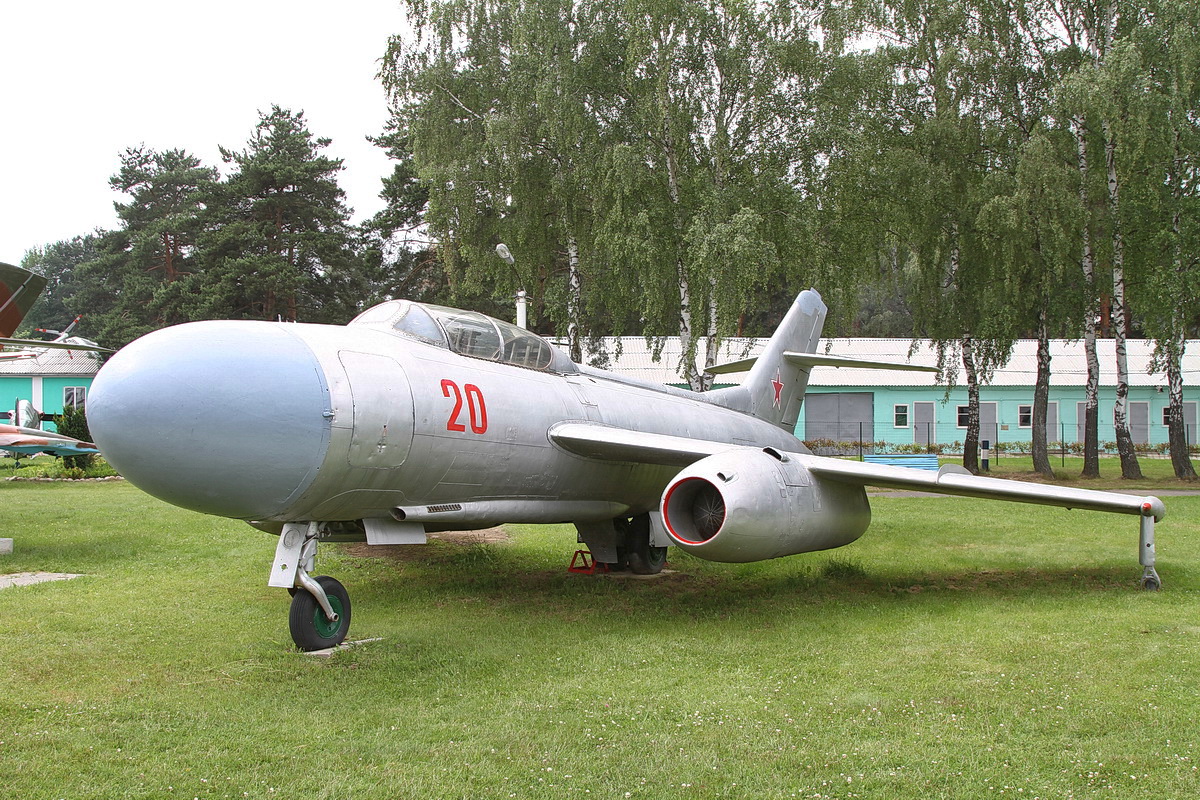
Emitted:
<point x="960" y="649"/>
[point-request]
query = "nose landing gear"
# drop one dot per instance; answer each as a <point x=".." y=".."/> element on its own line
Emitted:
<point x="320" y="612"/>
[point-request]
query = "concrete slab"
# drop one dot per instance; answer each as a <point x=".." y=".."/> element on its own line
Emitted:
<point x="5" y="546"/>
<point x="633" y="576"/>
<point x="329" y="651"/>
<point x="30" y="578"/>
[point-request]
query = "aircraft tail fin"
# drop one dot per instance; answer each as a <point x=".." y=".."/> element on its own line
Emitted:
<point x="19" y="288"/>
<point x="774" y="389"/>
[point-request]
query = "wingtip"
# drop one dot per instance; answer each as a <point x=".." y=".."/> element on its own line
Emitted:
<point x="1153" y="507"/>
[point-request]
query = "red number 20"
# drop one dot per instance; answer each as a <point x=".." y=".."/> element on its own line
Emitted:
<point x="476" y="408"/>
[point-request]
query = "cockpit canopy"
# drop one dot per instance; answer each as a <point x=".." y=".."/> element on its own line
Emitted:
<point x="467" y="333"/>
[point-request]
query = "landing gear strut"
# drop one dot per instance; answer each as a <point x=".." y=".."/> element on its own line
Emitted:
<point x="320" y="612"/>
<point x="1150" y="580"/>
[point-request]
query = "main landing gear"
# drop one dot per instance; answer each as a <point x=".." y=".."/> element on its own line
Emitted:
<point x="625" y="543"/>
<point x="643" y="557"/>
<point x="320" y="613"/>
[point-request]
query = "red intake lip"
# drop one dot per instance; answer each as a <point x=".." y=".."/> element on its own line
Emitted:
<point x="667" y="513"/>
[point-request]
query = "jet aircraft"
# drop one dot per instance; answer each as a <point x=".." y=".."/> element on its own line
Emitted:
<point x="418" y="418"/>
<point x="25" y="436"/>
<point x="22" y="441"/>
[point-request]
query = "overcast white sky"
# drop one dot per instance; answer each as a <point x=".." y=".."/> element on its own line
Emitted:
<point x="83" y="81"/>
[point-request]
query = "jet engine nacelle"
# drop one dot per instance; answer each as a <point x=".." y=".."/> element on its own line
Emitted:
<point x="751" y="505"/>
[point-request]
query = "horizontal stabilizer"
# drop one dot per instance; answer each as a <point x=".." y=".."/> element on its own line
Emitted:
<point x="818" y="360"/>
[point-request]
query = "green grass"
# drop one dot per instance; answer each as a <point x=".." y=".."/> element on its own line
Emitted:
<point x="960" y="649"/>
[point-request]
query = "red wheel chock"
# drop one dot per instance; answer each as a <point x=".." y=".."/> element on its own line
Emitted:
<point x="585" y="564"/>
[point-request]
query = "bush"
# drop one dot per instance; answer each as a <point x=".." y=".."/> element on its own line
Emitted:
<point x="73" y="422"/>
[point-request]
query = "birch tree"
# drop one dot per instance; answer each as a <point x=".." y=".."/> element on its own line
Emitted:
<point x="1171" y="226"/>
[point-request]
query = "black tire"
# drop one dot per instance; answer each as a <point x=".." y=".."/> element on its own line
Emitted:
<point x="310" y="629"/>
<point x="643" y="558"/>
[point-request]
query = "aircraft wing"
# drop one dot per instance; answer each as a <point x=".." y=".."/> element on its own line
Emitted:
<point x="28" y="441"/>
<point x="19" y="288"/>
<point x="954" y="480"/>
<point x="35" y="344"/>
<point x="608" y="443"/>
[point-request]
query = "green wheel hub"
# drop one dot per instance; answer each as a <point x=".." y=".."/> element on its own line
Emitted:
<point x="322" y="625"/>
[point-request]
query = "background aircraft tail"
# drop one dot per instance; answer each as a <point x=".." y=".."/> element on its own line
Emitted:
<point x="18" y="289"/>
<point x="774" y="389"/>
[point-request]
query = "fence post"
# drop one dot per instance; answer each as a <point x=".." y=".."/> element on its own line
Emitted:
<point x="1062" y="442"/>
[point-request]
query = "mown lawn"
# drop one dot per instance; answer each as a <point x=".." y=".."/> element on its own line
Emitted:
<point x="961" y="649"/>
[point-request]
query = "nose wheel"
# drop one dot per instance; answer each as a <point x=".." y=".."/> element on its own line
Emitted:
<point x="314" y="628"/>
<point x="320" y="612"/>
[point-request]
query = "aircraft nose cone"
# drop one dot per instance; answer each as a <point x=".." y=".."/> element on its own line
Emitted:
<point x="227" y="418"/>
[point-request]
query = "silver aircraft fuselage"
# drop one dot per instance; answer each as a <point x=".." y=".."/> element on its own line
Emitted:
<point x="273" y="422"/>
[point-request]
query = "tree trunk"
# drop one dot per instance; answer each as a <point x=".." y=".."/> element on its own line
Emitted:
<point x="1177" y="433"/>
<point x="1091" y="416"/>
<point x="1125" y="447"/>
<point x="687" y="331"/>
<point x="971" y="444"/>
<point x="1041" y="399"/>
<point x="711" y="343"/>
<point x="574" y="294"/>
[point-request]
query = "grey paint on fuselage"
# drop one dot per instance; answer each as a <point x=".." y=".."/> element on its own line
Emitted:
<point x="301" y="421"/>
<point x="513" y="459"/>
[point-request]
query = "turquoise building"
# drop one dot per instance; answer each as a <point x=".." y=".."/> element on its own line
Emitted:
<point x="52" y="380"/>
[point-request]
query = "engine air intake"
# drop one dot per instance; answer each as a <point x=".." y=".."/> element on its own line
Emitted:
<point x="694" y="511"/>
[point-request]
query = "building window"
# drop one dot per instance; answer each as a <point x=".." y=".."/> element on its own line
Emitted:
<point x="74" y="396"/>
<point x="900" y="416"/>
<point x="1024" y="416"/>
<point x="964" y="416"/>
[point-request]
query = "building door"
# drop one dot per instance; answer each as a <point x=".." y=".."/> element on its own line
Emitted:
<point x="1139" y="422"/>
<point x="840" y="416"/>
<point x="1053" y="434"/>
<point x="1080" y="421"/>
<point x="987" y="424"/>
<point x="924" y="429"/>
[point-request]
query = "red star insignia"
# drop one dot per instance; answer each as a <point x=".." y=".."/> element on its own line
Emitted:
<point x="778" y="384"/>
